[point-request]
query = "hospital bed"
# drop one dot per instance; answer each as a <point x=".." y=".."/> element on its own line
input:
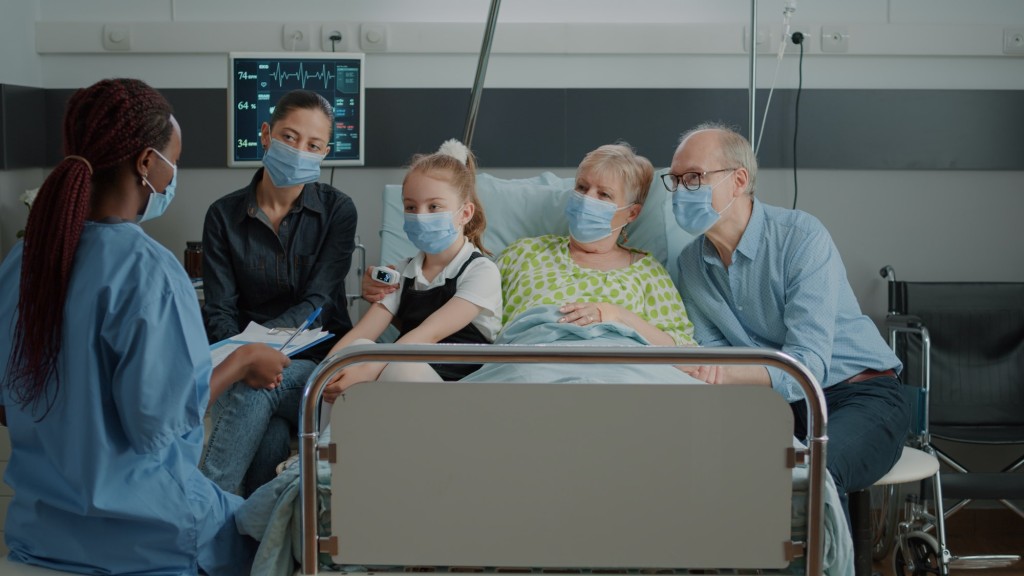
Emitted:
<point x="590" y="477"/>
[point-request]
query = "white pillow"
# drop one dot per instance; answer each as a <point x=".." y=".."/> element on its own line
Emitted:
<point x="527" y="207"/>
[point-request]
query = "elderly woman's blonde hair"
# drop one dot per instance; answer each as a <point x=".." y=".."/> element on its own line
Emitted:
<point x="619" y="159"/>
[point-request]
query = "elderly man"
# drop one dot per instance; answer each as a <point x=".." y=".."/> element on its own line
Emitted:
<point x="761" y="276"/>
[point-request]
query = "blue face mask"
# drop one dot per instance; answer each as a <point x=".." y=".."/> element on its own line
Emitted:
<point x="431" y="233"/>
<point x="590" y="219"/>
<point x="289" y="166"/>
<point x="158" y="202"/>
<point x="693" y="210"/>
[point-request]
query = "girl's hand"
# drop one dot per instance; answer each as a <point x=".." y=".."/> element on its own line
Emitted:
<point x="367" y="372"/>
<point x="584" y="313"/>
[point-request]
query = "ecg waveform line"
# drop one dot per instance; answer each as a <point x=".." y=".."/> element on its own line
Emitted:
<point x="302" y="76"/>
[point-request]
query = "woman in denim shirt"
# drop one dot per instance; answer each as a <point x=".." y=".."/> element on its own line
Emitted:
<point x="272" y="253"/>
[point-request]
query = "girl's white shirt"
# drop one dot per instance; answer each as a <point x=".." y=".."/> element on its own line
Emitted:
<point x="480" y="284"/>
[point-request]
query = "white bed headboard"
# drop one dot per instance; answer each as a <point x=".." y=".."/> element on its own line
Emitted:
<point x="527" y="207"/>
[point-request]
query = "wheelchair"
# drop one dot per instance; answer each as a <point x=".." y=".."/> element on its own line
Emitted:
<point x="962" y="347"/>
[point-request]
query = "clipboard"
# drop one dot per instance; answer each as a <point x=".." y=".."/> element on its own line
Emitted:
<point x="258" y="333"/>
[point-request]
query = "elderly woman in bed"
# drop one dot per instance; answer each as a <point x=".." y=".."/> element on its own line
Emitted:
<point x="590" y="276"/>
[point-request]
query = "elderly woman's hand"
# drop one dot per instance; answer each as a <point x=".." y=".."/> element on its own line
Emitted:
<point x="584" y="313"/>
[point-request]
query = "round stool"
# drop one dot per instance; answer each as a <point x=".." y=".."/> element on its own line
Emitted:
<point x="914" y="465"/>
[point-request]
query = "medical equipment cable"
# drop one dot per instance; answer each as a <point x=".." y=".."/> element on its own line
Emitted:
<point x="796" y="108"/>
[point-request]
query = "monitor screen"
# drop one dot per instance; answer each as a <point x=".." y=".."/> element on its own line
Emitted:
<point x="258" y="80"/>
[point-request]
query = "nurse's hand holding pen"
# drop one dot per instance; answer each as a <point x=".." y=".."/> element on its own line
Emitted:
<point x="258" y="365"/>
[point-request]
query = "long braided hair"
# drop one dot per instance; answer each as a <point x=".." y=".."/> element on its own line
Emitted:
<point x="106" y="126"/>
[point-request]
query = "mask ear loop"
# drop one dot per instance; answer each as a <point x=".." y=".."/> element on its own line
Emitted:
<point x="623" y="233"/>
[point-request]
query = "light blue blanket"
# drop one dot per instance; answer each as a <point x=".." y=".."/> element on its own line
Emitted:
<point x="540" y="326"/>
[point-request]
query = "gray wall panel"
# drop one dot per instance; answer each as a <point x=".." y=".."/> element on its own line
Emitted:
<point x="23" y="136"/>
<point x="651" y="120"/>
<point x="515" y="127"/>
<point x="539" y="128"/>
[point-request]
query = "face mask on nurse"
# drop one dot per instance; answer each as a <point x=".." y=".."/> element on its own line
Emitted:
<point x="158" y="202"/>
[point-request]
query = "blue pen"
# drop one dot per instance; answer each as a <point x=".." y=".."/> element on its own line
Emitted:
<point x="305" y="324"/>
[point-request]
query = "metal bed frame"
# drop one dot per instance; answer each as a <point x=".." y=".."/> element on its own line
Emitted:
<point x="813" y="548"/>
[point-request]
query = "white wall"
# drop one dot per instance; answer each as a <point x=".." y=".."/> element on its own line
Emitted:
<point x="930" y="225"/>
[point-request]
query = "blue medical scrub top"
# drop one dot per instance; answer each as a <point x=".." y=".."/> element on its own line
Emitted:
<point x="108" y="481"/>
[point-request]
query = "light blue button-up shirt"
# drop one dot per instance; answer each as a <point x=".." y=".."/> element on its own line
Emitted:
<point x="786" y="289"/>
<point x="107" y="482"/>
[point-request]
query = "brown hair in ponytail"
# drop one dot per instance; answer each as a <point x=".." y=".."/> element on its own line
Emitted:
<point x="443" y="165"/>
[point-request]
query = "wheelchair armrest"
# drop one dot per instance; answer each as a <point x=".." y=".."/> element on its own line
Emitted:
<point x="904" y="323"/>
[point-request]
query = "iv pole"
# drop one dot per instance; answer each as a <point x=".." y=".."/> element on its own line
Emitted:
<point x="481" y="71"/>
<point x="752" y="98"/>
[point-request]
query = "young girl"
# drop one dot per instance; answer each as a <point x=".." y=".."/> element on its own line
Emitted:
<point x="449" y="291"/>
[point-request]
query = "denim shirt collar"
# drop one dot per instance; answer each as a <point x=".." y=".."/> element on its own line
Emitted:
<point x="749" y="242"/>
<point x="754" y="232"/>
<point x="308" y="199"/>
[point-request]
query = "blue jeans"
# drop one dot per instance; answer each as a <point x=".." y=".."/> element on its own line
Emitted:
<point x="252" y="431"/>
<point x="867" y="426"/>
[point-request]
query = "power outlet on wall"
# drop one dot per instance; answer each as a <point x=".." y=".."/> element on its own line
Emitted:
<point x="373" y="37"/>
<point x="1013" y="41"/>
<point x="344" y="37"/>
<point x="296" y="37"/>
<point x="765" y="40"/>
<point x="835" y="39"/>
<point x="792" y="47"/>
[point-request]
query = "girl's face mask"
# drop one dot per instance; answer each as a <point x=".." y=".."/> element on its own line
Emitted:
<point x="432" y="233"/>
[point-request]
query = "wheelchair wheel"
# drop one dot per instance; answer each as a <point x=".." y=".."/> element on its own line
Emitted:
<point x="885" y="508"/>
<point x="924" y="553"/>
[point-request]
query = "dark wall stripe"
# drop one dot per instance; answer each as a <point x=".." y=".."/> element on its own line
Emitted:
<point x="552" y="128"/>
<point x="23" y="133"/>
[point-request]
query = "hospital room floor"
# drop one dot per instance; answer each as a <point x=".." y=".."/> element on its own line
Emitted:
<point x="980" y="531"/>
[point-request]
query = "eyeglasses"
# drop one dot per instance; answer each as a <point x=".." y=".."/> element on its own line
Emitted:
<point x="689" y="180"/>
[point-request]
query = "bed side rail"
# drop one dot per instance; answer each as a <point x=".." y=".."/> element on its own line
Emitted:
<point x="476" y="354"/>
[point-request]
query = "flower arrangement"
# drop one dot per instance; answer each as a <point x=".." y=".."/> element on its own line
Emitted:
<point x="28" y="197"/>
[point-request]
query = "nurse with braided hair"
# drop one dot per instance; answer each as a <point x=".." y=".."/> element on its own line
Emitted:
<point x="106" y="371"/>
